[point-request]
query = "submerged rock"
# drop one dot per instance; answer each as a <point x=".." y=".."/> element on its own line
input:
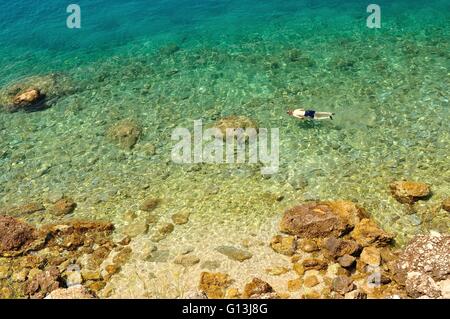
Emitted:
<point x="321" y="219"/>
<point x="180" y="218"/>
<point x="214" y="285"/>
<point x="25" y="209"/>
<point x="63" y="206"/>
<point x="446" y="204"/>
<point x="256" y="288"/>
<point x="342" y="285"/>
<point x="408" y="192"/>
<point x="43" y="283"/>
<point x="34" y="93"/>
<point x="339" y="247"/>
<point x="14" y="234"/>
<point x="234" y="253"/>
<point x="125" y="134"/>
<point x="186" y="260"/>
<point x="371" y="256"/>
<point x="285" y="245"/>
<point x="150" y="204"/>
<point x="367" y="233"/>
<point x="234" y="122"/>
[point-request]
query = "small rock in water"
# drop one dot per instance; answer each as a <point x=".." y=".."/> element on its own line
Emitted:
<point x="234" y="253"/>
<point x="135" y="229"/>
<point x="163" y="231"/>
<point x="125" y="133"/>
<point x="214" y="285"/>
<point x="371" y="256"/>
<point x="255" y="288"/>
<point x="414" y="220"/>
<point x="64" y="206"/>
<point x="408" y="192"/>
<point x="310" y="281"/>
<point x="159" y="256"/>
<point x="150" y="204"/>
<point x="368" y="233"/>
<point x="308" y="245"/>
<point x="285" y="245"/>
<point x="180" y="218"/>
<point x="186" y="260"/>
<point x="343" y="284"/>
<point x="277" y="271"/>
<point x="74" y="278"/>
<point x="346" y="261"/>
<point x="210" y="265"/>
<point x="446" y="204"/>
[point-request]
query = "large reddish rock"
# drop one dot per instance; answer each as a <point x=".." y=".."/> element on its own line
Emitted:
<point x="424" y="266"/>
<point x="339" y="247"/>
<point x="368" y="233"/>
<point x="14" y="234"/>
<point x="408" y="192"/>
<point x="43" y="283"/>
<point x="321" y="219"/>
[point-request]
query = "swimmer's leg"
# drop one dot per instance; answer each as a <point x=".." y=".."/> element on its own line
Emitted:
<point x="323" y="116"/>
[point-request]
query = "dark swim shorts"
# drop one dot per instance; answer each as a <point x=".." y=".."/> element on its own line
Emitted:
<point x="310" y="113"/>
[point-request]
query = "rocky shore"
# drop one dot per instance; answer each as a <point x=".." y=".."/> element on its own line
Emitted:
<point x="336" y="251"/>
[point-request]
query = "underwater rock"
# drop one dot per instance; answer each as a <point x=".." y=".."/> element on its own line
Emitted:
<point x="424" y="265"/>
<point x="277" y="271"/>
<point x="294" y="284"/>
<point x="214" y="285"/>
<point x="43" y="283"/>
<point x="346" y="261"/>
<point x="25" y="209"/>
<point x="367" y="233"/>
<point x="371" y="256"/>
<point x="308" y="245"/>
<point x="63" y="206"/>
<point x="210" y="265"/>
<point x="340" y="247"/>
<point x="14" y="234"/>
<point x="342" y="285"/>
<point x="35" y="92"/>
<point x="234" y="253"/>
<point x="162" y="232"/>
<point x="235" y="122"/>
<point x="125" y="134"/>
<point x="180" y="218"/>
<point x="74" y="292"/>
<point x="310" y="281"/>
<point x="321" y="219"/>
<point x="169" y="49"/>
<point x="285" y="245"/>
<point x="186" y="260"/>
<point x="446" y="204"/>
<point x="135" y="229"/>
<point x="150" y="204"/>
<point x="255" y="288"/>
<point x="314" y="263"/>
<point x="408" y="192"/>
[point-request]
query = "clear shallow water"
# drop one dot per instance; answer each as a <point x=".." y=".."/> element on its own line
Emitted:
<point x="389" y="88"/>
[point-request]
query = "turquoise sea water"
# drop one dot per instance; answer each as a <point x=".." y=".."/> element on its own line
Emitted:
<point x="167" y="63"/>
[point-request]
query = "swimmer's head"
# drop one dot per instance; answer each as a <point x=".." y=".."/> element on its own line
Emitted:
<point x="290" y="112"/>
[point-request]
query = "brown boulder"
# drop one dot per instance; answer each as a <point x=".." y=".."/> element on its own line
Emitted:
<point x="408" y="192"/>
<point x="321" y="219"/>
<point x="256" y="288"/>
<point x="14" y="234"/>
<point x="368" y="233"/>
<point x="314" y="263"/>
